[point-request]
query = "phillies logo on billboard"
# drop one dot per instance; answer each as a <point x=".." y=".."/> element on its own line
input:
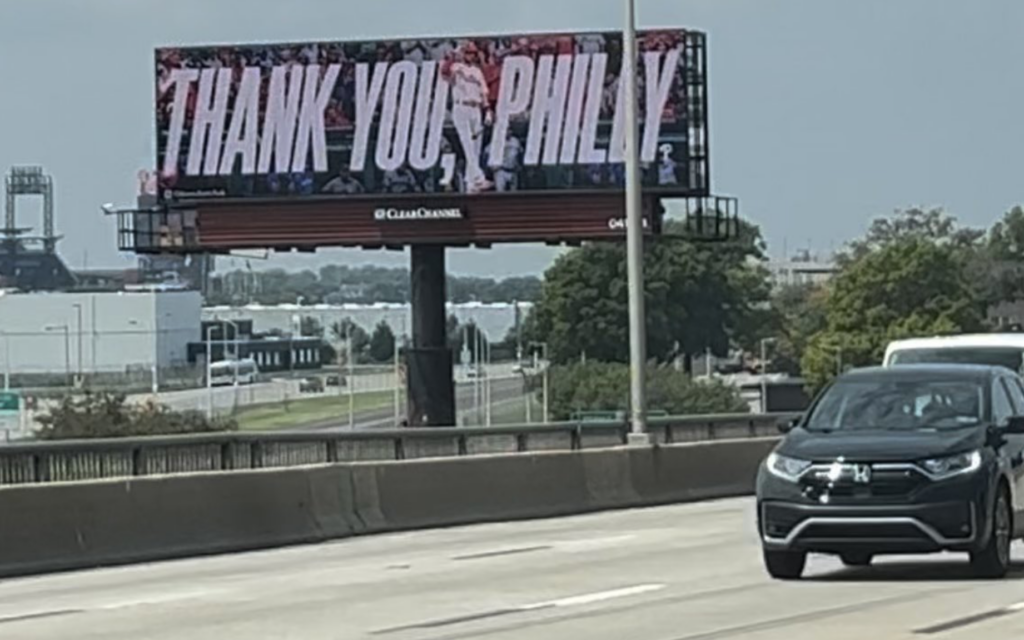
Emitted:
<point x="476" y="116"/>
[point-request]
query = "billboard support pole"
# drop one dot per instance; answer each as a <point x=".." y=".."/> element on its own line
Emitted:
<point x="634" y="238"/>
<point x="429" y="380"/>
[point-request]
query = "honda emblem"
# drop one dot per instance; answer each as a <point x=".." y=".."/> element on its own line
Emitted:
<point x="862" y="474"/>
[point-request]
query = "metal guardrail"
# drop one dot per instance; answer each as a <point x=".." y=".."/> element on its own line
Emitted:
<point x="82" y="460"/>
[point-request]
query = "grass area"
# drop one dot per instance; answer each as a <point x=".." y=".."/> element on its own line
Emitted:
<point x="511" y="412"/>
<point x="310" y="411"/>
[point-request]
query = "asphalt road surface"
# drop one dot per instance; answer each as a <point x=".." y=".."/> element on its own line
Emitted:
<point x="677" y="573"/>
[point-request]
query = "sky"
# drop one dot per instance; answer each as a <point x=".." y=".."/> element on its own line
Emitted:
<point x="824" y="114"/>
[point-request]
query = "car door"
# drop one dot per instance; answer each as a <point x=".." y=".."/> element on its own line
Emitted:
<point x="1014" y="448"/>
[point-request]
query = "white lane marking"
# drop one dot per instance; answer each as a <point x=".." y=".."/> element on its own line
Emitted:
<point x="1016" y="607"/>
<point x="591" y="544"/>
<point x="157" y="599"/>
<point x="101" y="603"/>
<point x="590" y="598"/>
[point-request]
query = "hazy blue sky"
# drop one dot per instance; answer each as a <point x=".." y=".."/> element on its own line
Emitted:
<point x="824" y="113"/>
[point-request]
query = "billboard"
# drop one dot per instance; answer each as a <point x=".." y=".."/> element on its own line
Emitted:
<point x="439" y="117"/>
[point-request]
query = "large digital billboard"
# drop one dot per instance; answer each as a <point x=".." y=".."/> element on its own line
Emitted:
<point x="437" y="117"/>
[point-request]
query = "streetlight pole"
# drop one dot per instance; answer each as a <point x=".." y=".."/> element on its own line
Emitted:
<point x="398" y="392"/>
<point x="350" y="383"/>
<point x="81" y="373"/>
<point x="7" y="361"/>
<point x="67" y="348"/>
<point x="634" y="237"/>
<point x="487" y="381"/>
<point x="209" y="372"/>
<point x="764" y="374"/>
<point x="544" y="356"/>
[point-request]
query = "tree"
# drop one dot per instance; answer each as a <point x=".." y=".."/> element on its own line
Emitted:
<point x="998" y="268"/>
<point x="309" y="327"/>
<point x="698" y="297"/>
<point x="798" y="313"/>
<point x="907" y="287"/>
<point x="339" y="283"/>
<point x="468" y="337"/>
<point x="108" y="416"/>
<point x="933" y="225"/>
<point x="347" y="329"/>
<point x="382" y="343"/>
<point x="603" y="386"/>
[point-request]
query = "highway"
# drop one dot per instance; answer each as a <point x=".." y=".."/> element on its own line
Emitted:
<point x="502" y="391"/>
<point x="690" y="572"/>
<point x="225" y="398"/>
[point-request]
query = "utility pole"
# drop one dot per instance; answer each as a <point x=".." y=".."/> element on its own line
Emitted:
<point x="351" y="382"/>
<point x="764" y="374"/>
<point x="81" y="374"/>
<point x="634" y="239"/>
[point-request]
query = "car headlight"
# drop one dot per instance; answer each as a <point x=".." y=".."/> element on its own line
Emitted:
<point x="949" y="466"/>
<point x="786" y="468"/>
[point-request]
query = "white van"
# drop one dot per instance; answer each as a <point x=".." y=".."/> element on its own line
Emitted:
<point x="1001" y="349"/>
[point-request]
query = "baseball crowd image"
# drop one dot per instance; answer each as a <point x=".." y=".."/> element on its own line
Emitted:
<point x="470" y="116"/>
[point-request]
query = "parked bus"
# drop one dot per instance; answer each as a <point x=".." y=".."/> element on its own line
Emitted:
<point x="224" y="372"/>
<point x="999" y="349"/>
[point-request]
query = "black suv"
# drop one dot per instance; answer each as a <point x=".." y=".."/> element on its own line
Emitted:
<point x="899" y="460"/>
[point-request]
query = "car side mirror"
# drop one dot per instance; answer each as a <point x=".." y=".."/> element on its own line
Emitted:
<point x="1014" y="425"/>
<point x="788" y="424"/>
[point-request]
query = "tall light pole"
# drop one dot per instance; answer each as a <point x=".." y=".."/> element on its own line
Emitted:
<point x="7" y="360"/>
<point x="209" y="372"/>
<point x="81" y="374"/>
<point x="634" y="237"/>
<point x="487" y="381"/>
<point x="67" y="347"/>
<point x="764" y="373"/>
<point x="544" y="356"/>
<point x="398" y="378"/>
<point x="351" y="381"/>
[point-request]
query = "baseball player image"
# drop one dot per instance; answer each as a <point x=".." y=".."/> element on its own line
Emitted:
<point x="470" y="110"/>
<point x="506" y="175"/>
<point x="667" y="166"/>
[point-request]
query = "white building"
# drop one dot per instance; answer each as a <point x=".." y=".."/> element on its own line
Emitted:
<point x="802" y="269"/>
<point x="115" y="332"/>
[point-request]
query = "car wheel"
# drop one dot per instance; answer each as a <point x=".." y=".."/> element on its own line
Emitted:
<point x="856" y="559"/>
<point x="993" y="561"/>
<point x="785" y="565"/>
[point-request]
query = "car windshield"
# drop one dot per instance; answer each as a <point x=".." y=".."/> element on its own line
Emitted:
<point x="899" y="404"/>
<point x="1009" y="357"/>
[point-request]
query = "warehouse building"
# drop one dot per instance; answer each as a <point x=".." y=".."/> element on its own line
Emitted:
<point x="143" y="330"/>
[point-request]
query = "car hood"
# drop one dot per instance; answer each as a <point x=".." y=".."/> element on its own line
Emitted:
<point x="879" y="445"/>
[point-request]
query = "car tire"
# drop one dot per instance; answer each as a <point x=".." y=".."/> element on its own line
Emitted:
<point x="993" y="560"/>
<point x="785" y="565"/>
<point x="857" y="559"/>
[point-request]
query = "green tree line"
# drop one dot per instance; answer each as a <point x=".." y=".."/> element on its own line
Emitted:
<point x="337" y="284"/>
<point x="916" y="272"/>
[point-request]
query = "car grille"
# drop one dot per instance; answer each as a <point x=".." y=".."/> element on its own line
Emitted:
<point x="886" y="485"/>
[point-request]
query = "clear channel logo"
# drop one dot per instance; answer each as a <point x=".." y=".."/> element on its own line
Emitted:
<point x="419" y="213"/>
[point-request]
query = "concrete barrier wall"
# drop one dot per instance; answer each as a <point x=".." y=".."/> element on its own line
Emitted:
<point x="57" y="527"/>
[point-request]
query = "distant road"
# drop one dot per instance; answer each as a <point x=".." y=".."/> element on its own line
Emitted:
<point x="225" y="399"/>
<point x="503" y="390"/>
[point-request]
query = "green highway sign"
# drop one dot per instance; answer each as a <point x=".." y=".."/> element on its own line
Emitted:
<point x="9" y="402"/>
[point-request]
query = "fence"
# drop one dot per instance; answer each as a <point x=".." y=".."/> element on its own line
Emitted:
<point x="73" y="461"/>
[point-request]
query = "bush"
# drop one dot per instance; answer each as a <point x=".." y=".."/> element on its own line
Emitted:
<point x="599" y="386"/>
<point x="107" y="416"/>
